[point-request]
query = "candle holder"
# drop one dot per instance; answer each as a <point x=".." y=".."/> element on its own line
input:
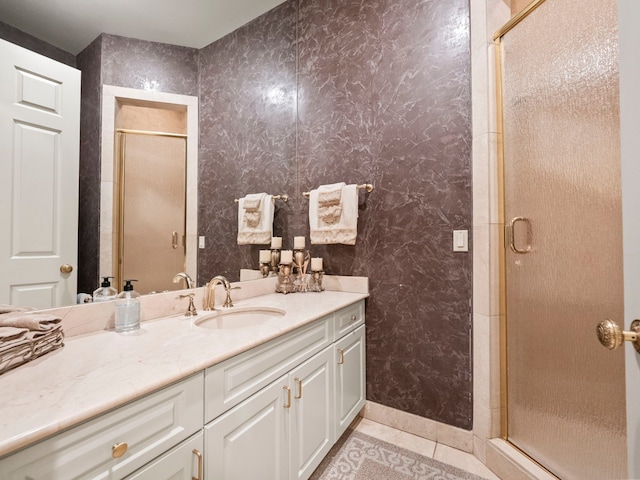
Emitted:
<point x="284" y="285"/>
<point x="275" y="260"/>
<point x="301" y="262"/>
<point x="265" y="269"/>
<point x="315" y="282"/>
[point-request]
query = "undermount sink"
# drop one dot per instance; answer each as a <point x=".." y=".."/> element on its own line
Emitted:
<point x="238" y="317"/>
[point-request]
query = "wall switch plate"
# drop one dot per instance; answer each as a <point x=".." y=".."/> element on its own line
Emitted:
<point x="461" y="240"/>
<point x="201" y="241"/>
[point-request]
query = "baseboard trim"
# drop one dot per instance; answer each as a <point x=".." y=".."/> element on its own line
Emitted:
<point x="423" y="427"/>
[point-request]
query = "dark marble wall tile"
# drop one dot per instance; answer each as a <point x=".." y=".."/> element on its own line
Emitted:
<point x="133" y="63"/>
<point x="90" y="62"/>
<point x="13" y="35"/>
<point x="247" y="134"/>
<point x="384" y="97"/>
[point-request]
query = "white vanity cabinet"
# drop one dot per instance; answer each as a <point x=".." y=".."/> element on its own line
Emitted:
<point x="285" y="429"/>
<point x="272" y="412"/>
<point x="117" y="443"/>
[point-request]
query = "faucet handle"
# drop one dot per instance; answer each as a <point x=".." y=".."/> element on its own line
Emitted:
<point x="228" y="303"/>
<point x="191" y="309"/>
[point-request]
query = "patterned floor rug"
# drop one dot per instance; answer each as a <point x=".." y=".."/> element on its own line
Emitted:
<point x="357" y="456"/>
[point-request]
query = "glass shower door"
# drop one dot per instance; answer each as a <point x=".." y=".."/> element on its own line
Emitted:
<point x="563" y="261"/>
<point x="153" y="210"/>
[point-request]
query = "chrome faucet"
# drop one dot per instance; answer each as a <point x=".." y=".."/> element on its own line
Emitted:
<point x="187" y="279"/>
<point x="209" y="296"/>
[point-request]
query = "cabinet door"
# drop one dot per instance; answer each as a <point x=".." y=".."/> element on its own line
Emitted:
<point x="183" y="462"/>
<point x="350" y="378"/>
<point x="312" y="417"/>
<point x="250" y="441"/>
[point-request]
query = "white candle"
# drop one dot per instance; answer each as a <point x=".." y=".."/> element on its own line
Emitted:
<point x="298" y="243"/>
<point x="286" y="256"/>
<point x="316" y="264"/>
<point x="276" y="243"/>
<point x="265" y="256"/>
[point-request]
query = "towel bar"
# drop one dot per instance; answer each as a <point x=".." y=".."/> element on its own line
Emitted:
<point x="284" y="198"/>
<point x="367" y="186"/>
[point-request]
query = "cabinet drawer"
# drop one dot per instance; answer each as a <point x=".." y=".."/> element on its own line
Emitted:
<point x="183" y="462"/>
<point x="149" y="427"/>
<point x="348" y="319"/>
<point x="235" y="379"/>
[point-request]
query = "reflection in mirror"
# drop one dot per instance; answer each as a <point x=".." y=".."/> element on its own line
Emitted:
<point x="159" y="177"/>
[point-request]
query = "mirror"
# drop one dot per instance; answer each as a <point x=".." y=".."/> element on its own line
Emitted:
<point x="247" y="109"/>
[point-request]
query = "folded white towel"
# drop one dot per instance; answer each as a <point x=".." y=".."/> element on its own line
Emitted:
<point x="334" y="223"/>
<point x="255" y="223"/>
<point x="33" y="321"/>
<point x="9" y="334"/>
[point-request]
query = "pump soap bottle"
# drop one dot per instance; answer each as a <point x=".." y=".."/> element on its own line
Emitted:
<point x="105" y="292"/>
<point x="128" y="309"/>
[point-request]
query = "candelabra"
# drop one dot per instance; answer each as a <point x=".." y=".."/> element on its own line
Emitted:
<point x="315" y="282"/>
<point x="275" y="260"/>
<point x="301" y="262"/>
<point x="284" y="285"/>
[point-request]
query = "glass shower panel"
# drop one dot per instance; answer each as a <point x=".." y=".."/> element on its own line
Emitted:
<point x="154" y="206"/>
<point x="565" y="392"/>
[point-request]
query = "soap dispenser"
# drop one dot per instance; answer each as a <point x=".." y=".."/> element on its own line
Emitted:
<point x="128" y="309"/>
<point x="105" y="292"/>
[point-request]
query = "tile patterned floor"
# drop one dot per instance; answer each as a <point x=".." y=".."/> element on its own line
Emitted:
<point x="428" y="448"/>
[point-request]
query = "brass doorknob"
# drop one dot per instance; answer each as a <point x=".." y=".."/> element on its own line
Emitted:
<point x="66" y="268"/>
<point x="612" y="336"/>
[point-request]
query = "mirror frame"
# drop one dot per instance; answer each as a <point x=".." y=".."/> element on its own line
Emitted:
<point x="111" y="95"/>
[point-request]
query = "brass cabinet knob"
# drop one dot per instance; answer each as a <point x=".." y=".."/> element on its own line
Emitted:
<point x="66" y="268"/>
<point x="119" y="449"/>
<point x="612" y="336"/>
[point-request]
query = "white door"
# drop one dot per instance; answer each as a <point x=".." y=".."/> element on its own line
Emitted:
<point x="629" y="19"/>
<point x="39" y="152"/>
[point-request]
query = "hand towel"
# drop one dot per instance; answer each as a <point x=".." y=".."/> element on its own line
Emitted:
<point x="11" y="337"/>
<point x="252" y="211"/>
<point x="330" y="194"/>
<point x="329" y="203"/>
<point x="8" y="334"/>
<point x="32" y="321"/>
<point x="334" y="223"/>
<point x="255" y="223"/>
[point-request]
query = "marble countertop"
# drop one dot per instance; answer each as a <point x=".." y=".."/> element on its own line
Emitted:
<point x="98" y="371"/>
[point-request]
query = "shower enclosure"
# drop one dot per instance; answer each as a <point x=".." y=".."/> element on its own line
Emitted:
<point x="565" y="394"/>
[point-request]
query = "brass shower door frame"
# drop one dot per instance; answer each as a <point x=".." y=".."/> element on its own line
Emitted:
<point x="119" y="198"/>
<point x="497" y="38"/>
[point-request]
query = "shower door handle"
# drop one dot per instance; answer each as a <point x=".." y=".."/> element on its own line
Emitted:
<point x="612" y="336"/>
<point x="174" y="240"/>
<point x="510" y="230"/>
